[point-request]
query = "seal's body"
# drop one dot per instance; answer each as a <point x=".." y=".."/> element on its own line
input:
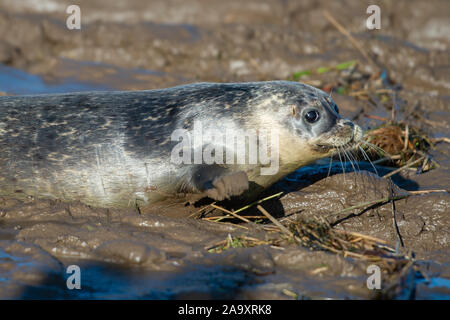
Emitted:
<point x="116" y="149"/>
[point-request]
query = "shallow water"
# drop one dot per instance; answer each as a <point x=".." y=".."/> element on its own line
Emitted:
<point x="17" y="82"/>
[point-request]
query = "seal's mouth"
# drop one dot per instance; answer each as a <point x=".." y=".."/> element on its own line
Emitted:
<point x="344" y="136"/>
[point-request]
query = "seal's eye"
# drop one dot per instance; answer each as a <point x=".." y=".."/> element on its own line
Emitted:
<point x="312" y="116"/>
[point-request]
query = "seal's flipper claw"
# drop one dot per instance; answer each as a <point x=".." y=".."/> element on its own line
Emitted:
<point x="219" y="183"/>
<point x="224" y="187"/>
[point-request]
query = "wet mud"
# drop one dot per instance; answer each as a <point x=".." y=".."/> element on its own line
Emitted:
<point x="164" y="252"/>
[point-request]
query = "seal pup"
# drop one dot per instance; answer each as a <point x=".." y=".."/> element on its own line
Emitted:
<point x="119" y="149"/>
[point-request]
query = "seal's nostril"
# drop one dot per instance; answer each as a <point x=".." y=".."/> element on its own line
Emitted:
<point x="348" y="123"/>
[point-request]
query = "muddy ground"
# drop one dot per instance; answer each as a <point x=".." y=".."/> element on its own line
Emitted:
<point x="163" y="253"/>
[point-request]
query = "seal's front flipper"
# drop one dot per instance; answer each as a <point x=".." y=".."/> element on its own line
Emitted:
<point x="224" y="187"/>
<point x="219" y="183"/>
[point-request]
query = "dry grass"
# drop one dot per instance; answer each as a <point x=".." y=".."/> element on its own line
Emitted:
<point x="398" y="267"/>
<point x="312" y="233"/>
<point x="402" y="144"/>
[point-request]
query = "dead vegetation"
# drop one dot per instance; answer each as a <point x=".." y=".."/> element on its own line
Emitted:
<point x="318" y="234"/>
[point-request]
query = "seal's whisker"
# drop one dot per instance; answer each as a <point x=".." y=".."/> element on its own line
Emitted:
<point x="366" y="156"/>
<point x="370" y="178"/>
<point x="374" y="147"/>
<point x="347" y="156"/>
<point x="352" y="155"/>
<point x="353" y="162"/>
<point x="355" y="158"/>
<point x="329" y="168"/>
<point x="340" y="159"/>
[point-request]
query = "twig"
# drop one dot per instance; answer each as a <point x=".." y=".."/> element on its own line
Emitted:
<point x="199" y="211"/>
<point x="290" y="293"/>
<point x="366" y="92"/>
<point x="427" y="191"/>
<point x="231" y="217"/>
<point x="443" y="139"/>
<point x="360" y="235"/>
<point x="234" y="214"/>
<point x="395" y="157"/>
<point x="376" y="101"/>
<point x="319" y="270"/>
<point x="394" y="214"/>
<point x="405" y="147"/>
<point x="441" y="124"/>
<point x="275" y="221"/>
<point x="347" y="34"/>
<point x="228" y="223"/>
<point x="394" y="103"/>
<point x="404" y="167"/>
<point x="231" y="213"/>
<point x="259" y="201"/>
<point x="370" y="203"/>
<point x="369" y="116"/>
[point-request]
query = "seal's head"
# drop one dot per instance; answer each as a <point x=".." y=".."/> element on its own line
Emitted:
<point x="316" y="118"/>
<point x="310" y="124"/>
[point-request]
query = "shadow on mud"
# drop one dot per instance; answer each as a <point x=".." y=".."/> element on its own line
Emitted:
<point x="310" y="174"/>
<point x="108" y="281"/>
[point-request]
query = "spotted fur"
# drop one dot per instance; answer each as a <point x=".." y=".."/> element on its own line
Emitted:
<point x="112" y="149"/>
